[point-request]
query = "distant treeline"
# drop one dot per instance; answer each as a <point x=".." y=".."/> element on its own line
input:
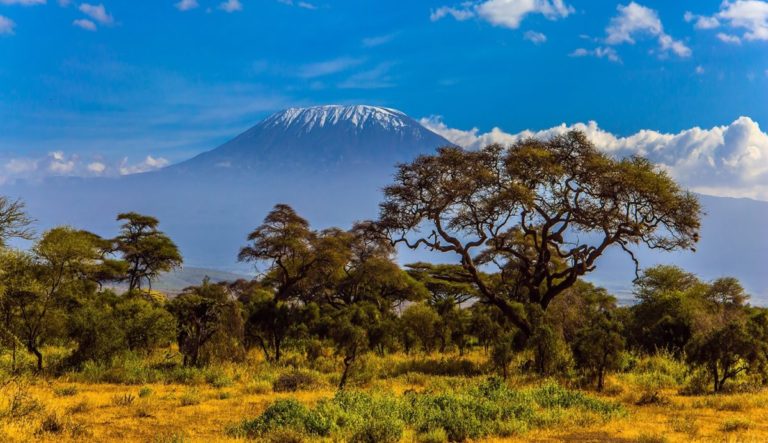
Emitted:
<point x="525" y="223"/>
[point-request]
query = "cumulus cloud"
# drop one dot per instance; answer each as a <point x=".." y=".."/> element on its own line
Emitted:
<point x="6" y="25"/>
<point x="504" y="13"/>
<point x="635" y="20"/>
<point x="750" y="17"/>
<point x="729" y="160"/>
<point x="231" y="6"/>
<point x="186" y="5"/>
<point x="59" y="163"/>
<point x="98" y="13"/>
<point x="85" y="24"/>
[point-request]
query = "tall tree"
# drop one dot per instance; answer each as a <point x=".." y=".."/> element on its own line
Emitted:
<point x="14" y="221"/>
<point x="539" y="212"/>
<point x="147" y="250"/>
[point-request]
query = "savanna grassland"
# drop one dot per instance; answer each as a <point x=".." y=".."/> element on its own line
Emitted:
<point x="131" y="401"/>
<point x="333" y="340"/>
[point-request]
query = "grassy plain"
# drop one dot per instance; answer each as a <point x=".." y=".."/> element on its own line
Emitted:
<point x="152" y="400"/>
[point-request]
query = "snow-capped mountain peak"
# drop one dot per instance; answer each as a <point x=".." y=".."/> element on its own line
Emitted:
<point x="359" y="116"/>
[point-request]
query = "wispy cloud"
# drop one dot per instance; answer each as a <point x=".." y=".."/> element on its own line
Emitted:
<point x="6" y="25"/>
<point x="376" y="78"/>
<point x="372" y="42"/>
<point x="328" y="67"/>
<point x="231" y="6"/>
<point x="22" y="2"/>
<point x="599" y="52"/>
<point x="534" y="37"/>
<point x="85" y="24"/>
<point x="186" y="5"/>
<point x="98" y="13"/>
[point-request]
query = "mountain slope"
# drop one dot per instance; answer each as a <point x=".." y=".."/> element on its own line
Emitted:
<point x="321" y="138"/>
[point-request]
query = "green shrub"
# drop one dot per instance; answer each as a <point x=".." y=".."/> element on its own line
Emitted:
<point x="66" y="391"/>
<point x="736" y="425"/>
<point x="80" y="407"/>
<point x="432" y="436"/>
<point x="190" y="398"/>
<point x="379" y="431"/>
<point x="145" y="392"/>
<point x="51" y="424"/>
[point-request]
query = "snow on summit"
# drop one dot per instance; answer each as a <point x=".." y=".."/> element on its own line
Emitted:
<point x="359" y="116"/>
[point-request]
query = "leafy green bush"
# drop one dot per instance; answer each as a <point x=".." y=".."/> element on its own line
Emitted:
<point x="477" y="410"/>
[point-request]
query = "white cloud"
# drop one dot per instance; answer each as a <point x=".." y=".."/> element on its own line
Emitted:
<point x="459" y="14"/>
<point x="728" y="38"/>
<point x="149" y="164"/>
<point x="377" y="77"/>
<point x="509" y="13"/>
<point x="699" y="70"/>
<point x="636" y="20"/>
<point x="599" y="52"/>
<point x="730" y="160"/>
<point x="372" y="42"/>
<point x="97" y="13"/>
<point x="97" y="168"/>
<point x="504" y="13"/>
<point x="85" y="24"/>
<point x="534" y="37"/>
<point x="186" y="5"/>
<point x="327" y="67"/>
<point x="59" y="163"/>
<point x="750" y="15"/>
<point x="701" y="21"/>
<point x="6" y="25"/>
<point x="22" y="2"/>
<point x="231" y="6"/>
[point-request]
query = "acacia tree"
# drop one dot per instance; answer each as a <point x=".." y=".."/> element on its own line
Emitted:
<point x="285" y="246"/>
<point x="61" y="269"/>
<point x="147" y="250"/>
<point x="539" y="212"/>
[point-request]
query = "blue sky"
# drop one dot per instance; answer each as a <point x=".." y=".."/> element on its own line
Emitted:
<point x="131" y="85"/>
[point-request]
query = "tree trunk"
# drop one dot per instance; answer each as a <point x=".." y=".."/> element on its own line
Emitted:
<point x="33" y="349"/>
<point x="348" y="360"/>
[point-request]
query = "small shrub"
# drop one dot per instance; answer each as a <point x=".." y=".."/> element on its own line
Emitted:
<point x="21" y="405"/>
<point x="190" y="398"/>
<point x="736" y="425"/>
<point x="80" y="407"/>
<point x="295" y="381"/>
<point x="218" y="380"/>
<point x="651" y="438"/>
<point x="685" y="424"/>
<point x="145" y="392"/>
<point x="258" y="387"/>
<point x="282" y="414"/>
<point x="51" y="424"/>
<point x="145" y="411"/>
<point x="223" y="395"/>
<point x="123" y="400"/>
<point x="284" y="436"/>
<point x="432" y="436"/>
<point x="66" y="391"/>
<point x="379" y="431"/>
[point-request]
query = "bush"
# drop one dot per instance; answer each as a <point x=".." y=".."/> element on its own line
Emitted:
<point x="379" y="431"/>
<point x="51" y="424"/>
<point x="66" y="391"/>
<point x="190" y="398"/>
<point x="123" y="400"/>
<point x="295" y="381"/>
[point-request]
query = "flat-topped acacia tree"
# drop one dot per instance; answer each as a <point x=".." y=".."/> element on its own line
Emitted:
<point x="528" y="220"/>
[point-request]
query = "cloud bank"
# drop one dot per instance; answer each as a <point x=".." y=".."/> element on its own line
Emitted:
<point x="60" y="164"/>
<point x="727" y="161"/>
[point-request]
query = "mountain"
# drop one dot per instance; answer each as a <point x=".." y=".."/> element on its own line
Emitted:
<point x="320" y="138"/>
<point x="330" y="163"/>
<point x="176" y="281"/>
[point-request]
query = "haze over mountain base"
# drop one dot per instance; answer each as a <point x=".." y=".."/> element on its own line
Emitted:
<point x="330" y="163"/>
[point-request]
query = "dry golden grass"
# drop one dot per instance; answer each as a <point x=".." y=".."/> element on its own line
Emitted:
<point x="59" y="410"/>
